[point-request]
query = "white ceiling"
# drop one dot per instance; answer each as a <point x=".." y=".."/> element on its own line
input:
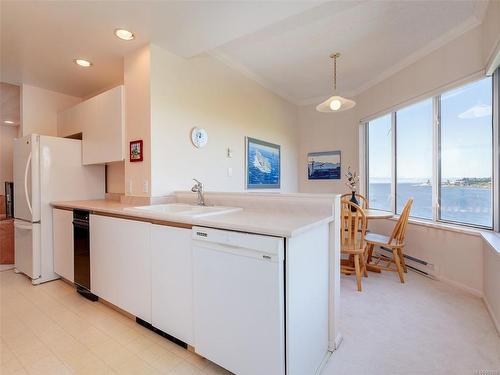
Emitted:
<point x="282" y="44"/>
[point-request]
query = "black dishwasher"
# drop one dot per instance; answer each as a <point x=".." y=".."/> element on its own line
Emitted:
<point x="81" y="244"/>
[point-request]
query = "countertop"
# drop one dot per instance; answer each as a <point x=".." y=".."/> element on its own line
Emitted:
<point x="493" y="240"/>
<point x="259" y="221"/>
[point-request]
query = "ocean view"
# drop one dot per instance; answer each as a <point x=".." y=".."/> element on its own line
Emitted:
<point x="471" y="205"/>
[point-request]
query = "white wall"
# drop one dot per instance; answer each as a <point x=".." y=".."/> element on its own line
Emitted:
<point x="204" y="92"/>
<point x="7" y="135"/>
<point x="491" y="36"/>
<point x="492" y="282"/>
<point x="115" y="177"/>
<point x="459" y="59"/>
<point x="39" y="109"/>
<point x="326" y="132"/>
<point x="138" y="119"/>
<point x="457" y="258"/>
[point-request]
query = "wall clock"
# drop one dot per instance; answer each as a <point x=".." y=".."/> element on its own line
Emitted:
<point x="199" y="137"/>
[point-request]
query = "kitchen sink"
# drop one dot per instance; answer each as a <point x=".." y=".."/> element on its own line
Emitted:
<point x="183" y="209"/>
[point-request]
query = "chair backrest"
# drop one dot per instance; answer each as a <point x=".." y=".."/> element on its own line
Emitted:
<point x="399" y="232"/>
<point x="363" y="202"/>
<point x="352" y="226"/>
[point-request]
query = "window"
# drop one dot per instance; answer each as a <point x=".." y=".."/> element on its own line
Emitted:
<point x="379" y="168"/>
<point x="459" y="144"/>
<point x="414" y="158"/>
<point x="466" y="154"/>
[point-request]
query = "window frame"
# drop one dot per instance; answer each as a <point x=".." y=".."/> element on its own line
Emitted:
<point x="436" y="156"/>
<point x="366" y="168"/>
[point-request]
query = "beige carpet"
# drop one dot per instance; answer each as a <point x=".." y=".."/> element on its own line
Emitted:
<point x="421" y="327"/>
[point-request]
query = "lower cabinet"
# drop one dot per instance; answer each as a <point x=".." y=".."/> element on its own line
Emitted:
<point x="172" y="281"/>
<point x="146" y="270"/>
<point x="62" y="224"/>
<point x="120" y="263"/>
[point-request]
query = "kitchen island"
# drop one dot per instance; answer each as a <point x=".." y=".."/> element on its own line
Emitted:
<point x="254" y="290"/>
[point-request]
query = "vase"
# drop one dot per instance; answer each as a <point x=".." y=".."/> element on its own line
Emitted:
<point x="354" y="200"/>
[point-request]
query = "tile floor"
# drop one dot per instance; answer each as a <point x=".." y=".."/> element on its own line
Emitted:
<point x="50" y="329"/>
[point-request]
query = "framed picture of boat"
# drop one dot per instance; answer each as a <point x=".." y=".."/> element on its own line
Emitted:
<point x="323" y="165"/>
<point x="263" y="164"/>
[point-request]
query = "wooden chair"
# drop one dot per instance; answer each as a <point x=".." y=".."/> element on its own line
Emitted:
<point x="363" y="202"/>
<point x="352" y="239"/>
<point x="396" y="243"/>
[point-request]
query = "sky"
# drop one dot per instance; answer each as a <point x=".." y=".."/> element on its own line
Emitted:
<point x="466" y="136"/>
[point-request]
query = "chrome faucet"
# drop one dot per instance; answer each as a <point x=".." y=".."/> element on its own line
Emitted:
<point x="198" y="188"/>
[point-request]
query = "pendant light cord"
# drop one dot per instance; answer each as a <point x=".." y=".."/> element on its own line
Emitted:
<point x="334" y="73"/>
<point x="334" y="57"/>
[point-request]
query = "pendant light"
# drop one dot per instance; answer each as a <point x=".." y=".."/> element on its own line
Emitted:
<point x="335" y="103"/>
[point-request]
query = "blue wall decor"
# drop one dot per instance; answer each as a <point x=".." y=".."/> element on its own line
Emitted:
<point x="263" y="164"/>
<point x="323" y="165"/>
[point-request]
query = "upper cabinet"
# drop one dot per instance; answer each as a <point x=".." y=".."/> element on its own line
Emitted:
<point x="101" y="121"/>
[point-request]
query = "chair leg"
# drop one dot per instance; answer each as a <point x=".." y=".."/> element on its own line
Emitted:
<point x="358" y="271"/>
<point x="363" y="264"/>
<point x="402" y="259"/>
<point x="398" y="265"/>
<point x="370" y="253"/>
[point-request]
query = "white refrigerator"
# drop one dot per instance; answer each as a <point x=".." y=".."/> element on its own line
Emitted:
<point x="47" y="169"/>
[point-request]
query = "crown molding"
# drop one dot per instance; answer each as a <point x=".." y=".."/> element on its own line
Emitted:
<point x="434" y="45"/>
<point x="472" y="22"/>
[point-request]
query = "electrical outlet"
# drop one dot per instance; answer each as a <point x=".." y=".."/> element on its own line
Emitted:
<point x="145" y="186"/>
<point x="130" y="186"/>
<point x="230" y="172"/>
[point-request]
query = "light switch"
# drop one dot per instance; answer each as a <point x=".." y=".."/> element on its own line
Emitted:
<point x="230" y="172"/>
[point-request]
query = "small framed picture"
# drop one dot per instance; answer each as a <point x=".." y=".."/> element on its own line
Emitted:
<point x="136" y="150"/>
<point x="323" y="165"/>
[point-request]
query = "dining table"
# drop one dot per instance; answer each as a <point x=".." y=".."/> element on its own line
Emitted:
<point x="372" y="214"/>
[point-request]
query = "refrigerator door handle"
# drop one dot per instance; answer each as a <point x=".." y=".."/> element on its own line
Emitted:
<point x="26" y="169"/>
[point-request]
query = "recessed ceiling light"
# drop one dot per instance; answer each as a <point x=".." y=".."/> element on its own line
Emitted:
<point x="9" y="122"/>
<point x="83" y="63"/>
<point x="124" y="34"/>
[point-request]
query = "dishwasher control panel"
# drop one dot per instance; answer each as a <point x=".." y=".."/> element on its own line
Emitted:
<point x="256" y="242"/>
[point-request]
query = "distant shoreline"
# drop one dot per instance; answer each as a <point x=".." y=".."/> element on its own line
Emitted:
<point x="469" y="185"/>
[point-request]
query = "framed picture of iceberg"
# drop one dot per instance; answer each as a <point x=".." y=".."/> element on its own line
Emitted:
<point x="263" y="164"/>
<point x="323" y="165"/>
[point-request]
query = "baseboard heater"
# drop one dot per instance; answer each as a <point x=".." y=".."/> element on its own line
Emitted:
<point x="413" y="259"/>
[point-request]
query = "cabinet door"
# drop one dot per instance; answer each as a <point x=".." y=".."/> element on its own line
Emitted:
<point x="172" y="281"/>
<point x="101" y="121"/>
<point x="62" y="224"/>
<point x="120" y="263"/>
<point x="103" y="135"/>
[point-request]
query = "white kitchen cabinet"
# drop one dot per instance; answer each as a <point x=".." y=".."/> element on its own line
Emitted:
<point x="101" y="121"/>
<point x="62" y="224"/>
<point x="120" y="263"/>
<point x="172" y="281"/>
